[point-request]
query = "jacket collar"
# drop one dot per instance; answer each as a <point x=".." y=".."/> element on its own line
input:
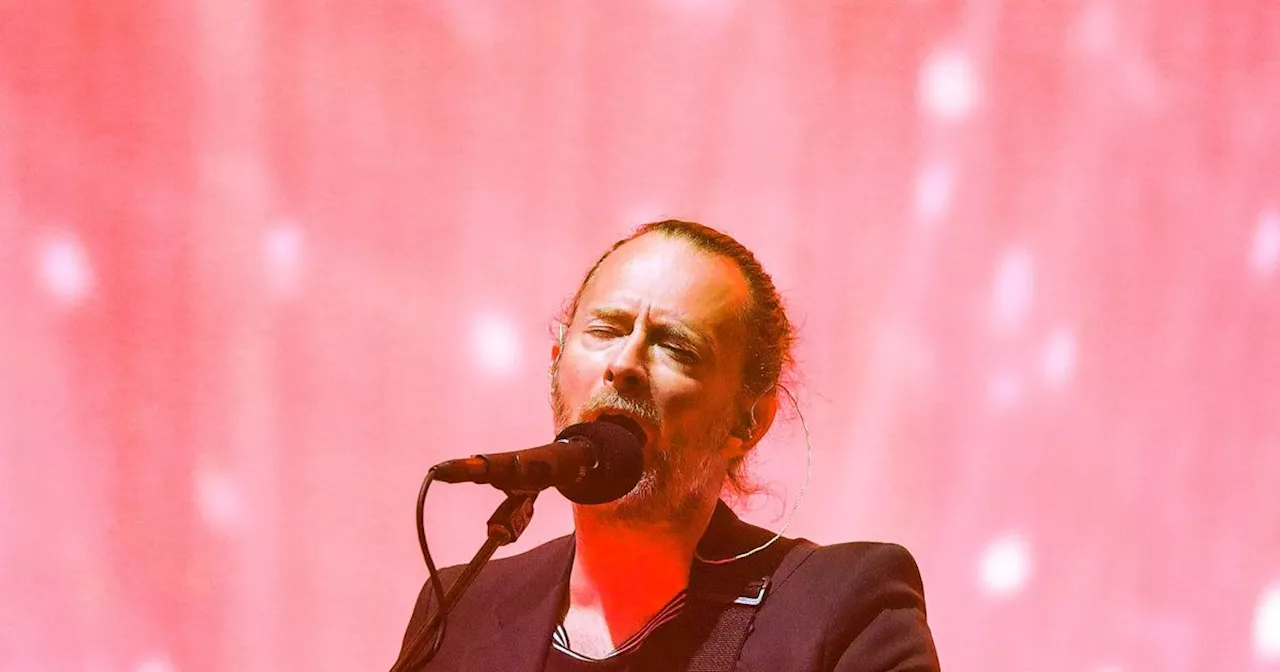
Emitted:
<point x="522" y="623"/>
<point x="727" y="535"/>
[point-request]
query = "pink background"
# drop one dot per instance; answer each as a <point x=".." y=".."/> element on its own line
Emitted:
<point x="262" y="264"/>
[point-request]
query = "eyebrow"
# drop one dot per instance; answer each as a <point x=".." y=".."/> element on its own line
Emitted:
<point x="679" y="330"/>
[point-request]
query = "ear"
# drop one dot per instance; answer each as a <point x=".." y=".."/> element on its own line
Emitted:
<point x="758" y="418"/>
<point x="557" y="348"/>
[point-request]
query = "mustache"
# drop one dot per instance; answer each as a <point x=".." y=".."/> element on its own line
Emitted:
<point x="608" y="400"/>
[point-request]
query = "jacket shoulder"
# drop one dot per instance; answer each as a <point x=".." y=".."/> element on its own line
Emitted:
<point x="859" y="605"/>
<point x="866" y="567"/>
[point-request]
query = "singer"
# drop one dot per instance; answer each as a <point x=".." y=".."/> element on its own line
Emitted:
<point x="679" y="329"/>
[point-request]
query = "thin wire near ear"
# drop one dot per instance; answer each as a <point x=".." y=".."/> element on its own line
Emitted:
<point x="752" y="412"/>
<point x="749" y="431"/>
<point x="551" y="371"/>
<point x="555" y="364"/>
<point x="808" y="475"/>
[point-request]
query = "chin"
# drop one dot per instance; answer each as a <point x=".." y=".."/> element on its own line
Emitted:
<point x="632" y="505"/>
<point x="651" y="503"/>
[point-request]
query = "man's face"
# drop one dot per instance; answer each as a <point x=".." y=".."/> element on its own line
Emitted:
<point x="658" y="337"/>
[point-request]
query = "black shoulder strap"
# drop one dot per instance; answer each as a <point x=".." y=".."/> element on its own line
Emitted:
<point x="724" y="605"/>
<point x="800" y="552"/>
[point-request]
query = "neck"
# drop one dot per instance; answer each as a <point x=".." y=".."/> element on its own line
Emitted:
<point x="624" y="572"/>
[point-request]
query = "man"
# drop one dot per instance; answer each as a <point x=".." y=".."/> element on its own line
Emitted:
<point x="679" y="328"/>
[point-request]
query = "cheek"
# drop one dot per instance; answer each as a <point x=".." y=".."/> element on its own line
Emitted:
<point x="681" y="399"/>
<point x="694" y="405"/>
<point x="577" y="370"/>
<point x="568" y="382"/>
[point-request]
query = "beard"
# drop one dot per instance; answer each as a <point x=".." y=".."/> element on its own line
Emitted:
<point x="675" y="478"/>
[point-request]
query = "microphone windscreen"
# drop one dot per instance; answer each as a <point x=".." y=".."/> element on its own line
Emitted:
<point x="620" y="461"/>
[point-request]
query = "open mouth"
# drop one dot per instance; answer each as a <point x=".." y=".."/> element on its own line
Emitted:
<point x="626" y="422"/>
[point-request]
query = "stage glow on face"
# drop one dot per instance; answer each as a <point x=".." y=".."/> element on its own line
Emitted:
<point x="657" y="338"/>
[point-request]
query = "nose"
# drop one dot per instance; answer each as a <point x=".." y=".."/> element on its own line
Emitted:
<point x="627" y="370"/>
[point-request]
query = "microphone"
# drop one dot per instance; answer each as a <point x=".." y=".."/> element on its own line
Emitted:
<point x="589" y="463"/>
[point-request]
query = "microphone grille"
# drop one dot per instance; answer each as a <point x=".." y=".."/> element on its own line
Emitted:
<point x="619" y="462"/>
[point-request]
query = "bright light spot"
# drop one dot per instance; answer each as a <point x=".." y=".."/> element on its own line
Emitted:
<point x="1266" y="625"/>
<point x="283" y="251"/>
<point x="933" y="193"/>
<point x="1059" y="362"/>
<point x="64" y="269"/>
<point x="948" y="86"/>
<point x="1005" y="565"/>
<point x="217" y="499"/>
<point x="495" y="345"/>
<point x="1095" y="29"/>
<point x="473" y="22"/>
<point x="1013" y="289"/>
<point x="1004" y="390"/>
<point x="156" y="662"/>
<point x="1266" y="244"/>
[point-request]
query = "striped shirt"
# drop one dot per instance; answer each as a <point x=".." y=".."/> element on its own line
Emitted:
<point x="561" y="648"/>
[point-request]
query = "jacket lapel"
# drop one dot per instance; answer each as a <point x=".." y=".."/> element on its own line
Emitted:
<point x="520" y="632"/>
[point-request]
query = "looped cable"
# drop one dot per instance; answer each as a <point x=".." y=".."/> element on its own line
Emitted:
<point x="808" y="474"/>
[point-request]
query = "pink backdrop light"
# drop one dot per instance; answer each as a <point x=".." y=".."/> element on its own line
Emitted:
<point x="264" y="263"/>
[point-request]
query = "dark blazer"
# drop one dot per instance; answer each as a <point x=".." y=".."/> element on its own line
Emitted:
<point x="854" y="607"/>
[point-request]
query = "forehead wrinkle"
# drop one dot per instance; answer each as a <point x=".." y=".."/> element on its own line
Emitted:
<point x="631" y="268"/>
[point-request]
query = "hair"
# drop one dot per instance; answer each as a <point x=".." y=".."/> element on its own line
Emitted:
<point x="770" y="336"/>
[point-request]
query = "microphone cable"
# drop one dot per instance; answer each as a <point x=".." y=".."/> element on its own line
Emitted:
<point x="412" y="656"/>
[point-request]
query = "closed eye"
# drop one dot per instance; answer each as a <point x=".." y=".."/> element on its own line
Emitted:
<point x="603" y="331"/>
<point x="681" y="354"/>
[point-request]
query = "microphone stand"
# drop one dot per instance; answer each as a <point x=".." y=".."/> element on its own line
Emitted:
<point x="505" y="526"/>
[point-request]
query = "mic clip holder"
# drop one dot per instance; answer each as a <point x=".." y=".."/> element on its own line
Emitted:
<point x="505" y="526"/>
<point x="511" y="517"/>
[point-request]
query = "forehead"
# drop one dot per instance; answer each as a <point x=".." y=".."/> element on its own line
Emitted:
<point x="673" y="280"/>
